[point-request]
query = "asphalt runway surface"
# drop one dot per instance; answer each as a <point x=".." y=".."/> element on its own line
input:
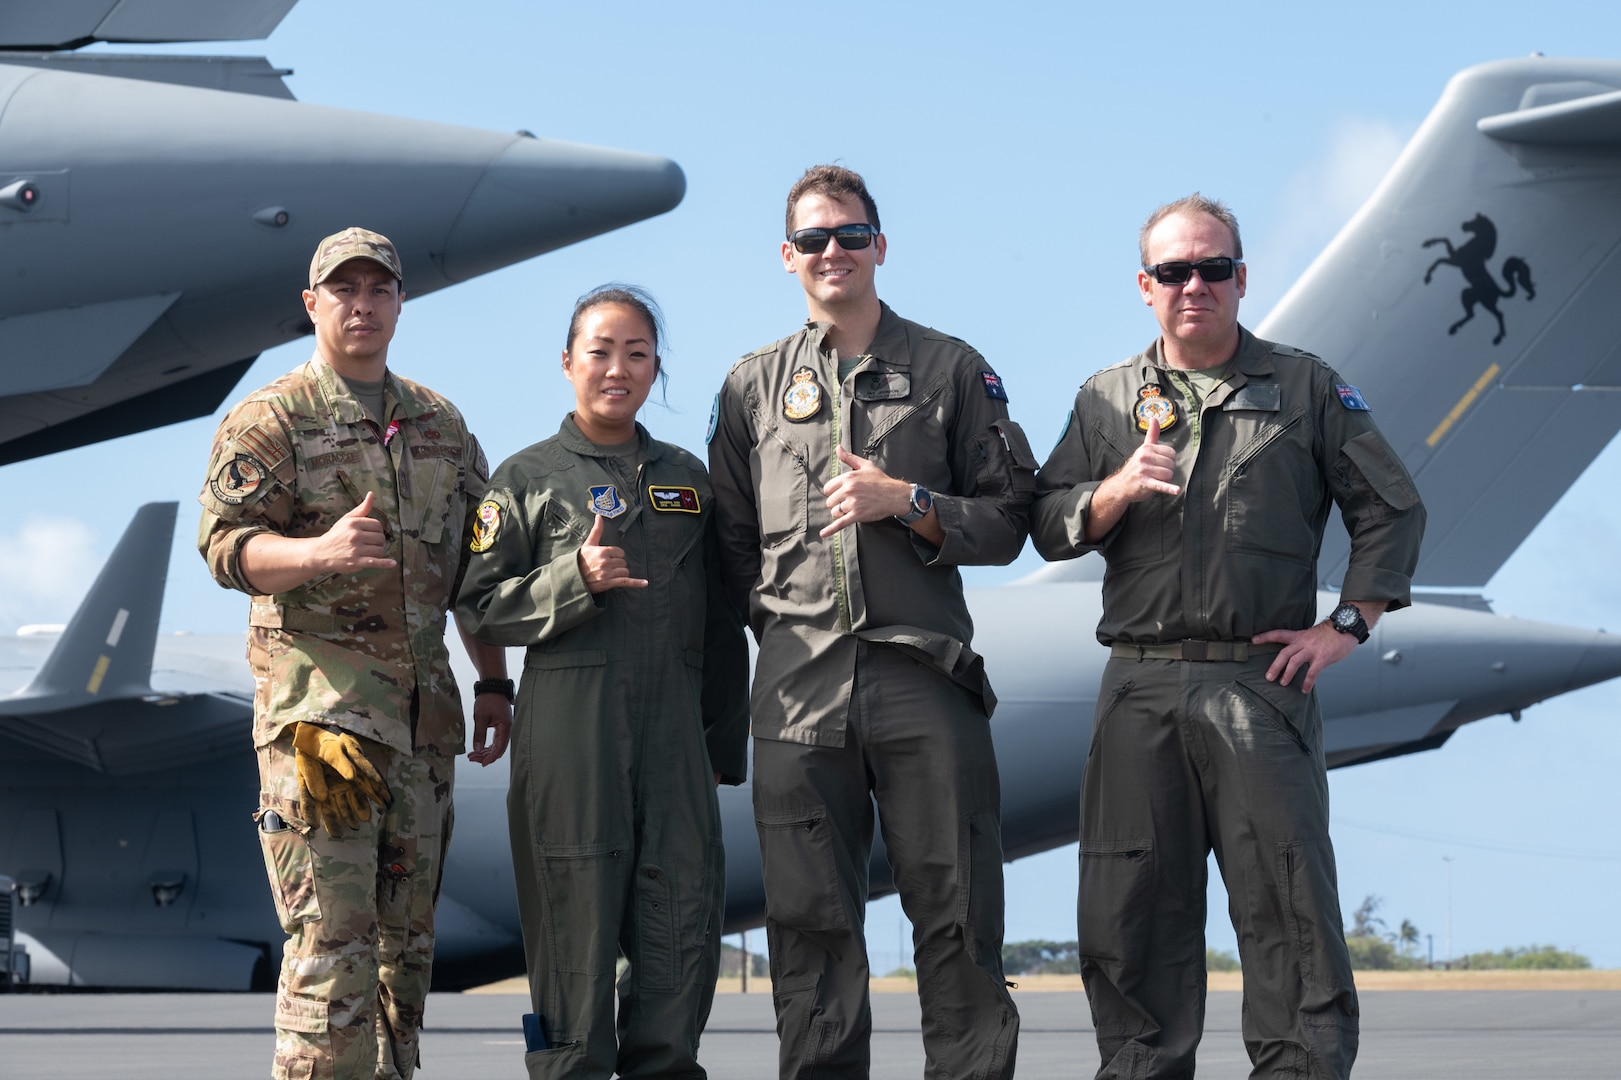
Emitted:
<point x="1406" y="1035"/>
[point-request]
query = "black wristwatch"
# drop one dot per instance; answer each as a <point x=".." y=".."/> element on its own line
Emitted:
<point x="1347" y="619"/>
<point x="504" y="687"/>
<point x="922" y="503"/>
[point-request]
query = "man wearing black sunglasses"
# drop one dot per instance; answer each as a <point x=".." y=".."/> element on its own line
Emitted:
<point x="1204" y="470"/>
<point x="856" y="464"/>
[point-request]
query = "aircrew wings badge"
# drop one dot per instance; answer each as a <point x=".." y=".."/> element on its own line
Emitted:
<point x="1154" y="406"/>
<point x="605" y="500"/>
<point x="803" y="398"/>
<point x="486" y="525"/>
<point x="673" y="500"/>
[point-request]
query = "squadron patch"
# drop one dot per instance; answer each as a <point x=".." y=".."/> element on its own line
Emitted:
<point x="238" y="479"/>
<point x="993" y="386"/>
<point x="714" y="420"/>
<point x="605" y="500"/>
<point x="673" y="500"/>
<point x="486" y="525"/>
<point x="803" y="398"/>
<point x="1154" y="406"/>
<point x="1351" y="398"/>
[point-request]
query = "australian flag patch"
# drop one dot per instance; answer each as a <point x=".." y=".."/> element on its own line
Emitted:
<point x="1351" y="398"/>
<point x="993" y="385"/>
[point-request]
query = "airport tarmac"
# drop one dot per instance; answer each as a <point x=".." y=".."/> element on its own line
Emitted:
<point x="1406" y="1035"/>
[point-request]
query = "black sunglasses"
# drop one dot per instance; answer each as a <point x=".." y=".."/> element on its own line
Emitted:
<point x="850" y="238"/>
<point x="1177" y="272"/>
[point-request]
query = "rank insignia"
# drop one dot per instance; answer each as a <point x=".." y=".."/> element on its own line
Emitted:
<point x="1351" y="398"/>
<point x="605" y="500"/>
<point x="238" y="479"/>
<point x="1154" y="406"/>
<point x="993" y="386"/>
<point x="673" y="500"/>
<point x="803" y="398"/>
<point x="486" y="524"/>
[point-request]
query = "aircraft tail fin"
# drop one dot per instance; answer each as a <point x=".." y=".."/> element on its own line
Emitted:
<point x="106" y="651"/>
<point x="1470" y="301"/>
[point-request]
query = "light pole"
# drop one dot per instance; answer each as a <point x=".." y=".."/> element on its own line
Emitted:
<point x="1448" y="860"/>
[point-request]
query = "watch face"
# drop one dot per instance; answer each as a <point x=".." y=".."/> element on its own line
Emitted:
<point x="922" y="500"/>
<point x="1345" y="617"/>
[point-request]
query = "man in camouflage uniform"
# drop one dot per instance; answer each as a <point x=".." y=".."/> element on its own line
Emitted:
<point x="340" y="498"/>
<point x="1204" y="470"/>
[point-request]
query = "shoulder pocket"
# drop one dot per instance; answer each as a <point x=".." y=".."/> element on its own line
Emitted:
<point x="1377" y="462"/>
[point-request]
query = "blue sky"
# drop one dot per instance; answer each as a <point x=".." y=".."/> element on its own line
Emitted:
<point x="1013" y="151"/>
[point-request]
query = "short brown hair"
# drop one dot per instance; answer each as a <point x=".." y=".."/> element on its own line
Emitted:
<point x="831" y="182"/>
<point x="1190" y="204"/>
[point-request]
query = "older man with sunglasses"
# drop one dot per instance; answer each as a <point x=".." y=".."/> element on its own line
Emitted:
<point x="1204" y="470"/>
<point x="856" y="464"/>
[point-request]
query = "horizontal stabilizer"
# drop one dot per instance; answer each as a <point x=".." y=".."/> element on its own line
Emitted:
<point x="68" y="347"/>
<point x="124" y="736"/>
<point x="1592" y="120"/>
<point x="106" y="651"/>
<point x="70" y="24"/>
<point x="238" y="74"/>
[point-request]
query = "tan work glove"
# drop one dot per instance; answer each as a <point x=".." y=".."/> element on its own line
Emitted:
<point x="336" y="782"/>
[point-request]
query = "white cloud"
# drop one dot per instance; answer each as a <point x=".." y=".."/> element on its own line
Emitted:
<point x="1316" y="202"/>
<point x="46" y="566"/>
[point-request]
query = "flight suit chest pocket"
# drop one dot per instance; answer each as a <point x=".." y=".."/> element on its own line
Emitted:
<point x="1271" y="484"/>
<point x="782" y="488"/>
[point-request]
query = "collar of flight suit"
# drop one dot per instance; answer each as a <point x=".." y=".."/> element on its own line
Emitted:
<point x="1253" y="360"/>
<point x="890" y="342"/>
<point x="345" y="408"/>
<point x="575" y="442"/>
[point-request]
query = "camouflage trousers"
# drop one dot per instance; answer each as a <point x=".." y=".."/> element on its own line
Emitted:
<point x="358" y="912"/>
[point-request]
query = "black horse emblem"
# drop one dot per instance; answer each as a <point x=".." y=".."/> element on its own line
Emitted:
<point x="1482" y="289"/>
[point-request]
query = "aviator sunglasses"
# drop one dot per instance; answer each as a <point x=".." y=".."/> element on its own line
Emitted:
<point x="850" y="238"/>
<point x="1177" y="272"/>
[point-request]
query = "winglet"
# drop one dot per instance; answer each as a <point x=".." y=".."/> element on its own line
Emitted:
<point x="106" y="650"/>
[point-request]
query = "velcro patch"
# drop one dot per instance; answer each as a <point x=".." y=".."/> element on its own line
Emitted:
<point x="1351" y="398"/>
<point x="236" y="480"/>
<point x="672" y="500"/>
<point x="435" y="450"/>
<point x="486" y="525"/>
<point x="993" y="385"/>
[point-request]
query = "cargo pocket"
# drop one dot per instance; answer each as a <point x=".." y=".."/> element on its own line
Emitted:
<point x="291" y="870"/>
<point x="658" y="960"/>
<point x="1311" y="915"/>
<point x="1386" y="475"/>
<point x="1115" y="910"/>
<point x="303" y="1037"/>
<point x="573" y="881"/>
<point x="801" y="878"/>
<point x="979" y="883"/>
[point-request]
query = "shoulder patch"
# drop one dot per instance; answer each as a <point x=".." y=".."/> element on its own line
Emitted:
<point x="993" y="385"/>
<point x="714" y="419"/>
<point x="486" y="526"/>
<point x="1351" y="398"/>
<point x="263" y="445"/>
<point x="1068" y="422"/>
<point x="238" y="480"/>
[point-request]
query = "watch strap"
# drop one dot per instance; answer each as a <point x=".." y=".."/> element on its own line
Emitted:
<point x="505" y="687"/>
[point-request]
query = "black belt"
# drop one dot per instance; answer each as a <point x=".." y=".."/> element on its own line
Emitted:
<point x="1199" y="651"/>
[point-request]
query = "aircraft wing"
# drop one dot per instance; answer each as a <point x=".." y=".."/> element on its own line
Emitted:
<point x="92" y="702"/>
<point x="70" y="24"/>
<point x="1468" y="301"/>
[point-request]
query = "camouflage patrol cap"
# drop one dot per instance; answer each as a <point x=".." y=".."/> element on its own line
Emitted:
<point x="354" y="243"/>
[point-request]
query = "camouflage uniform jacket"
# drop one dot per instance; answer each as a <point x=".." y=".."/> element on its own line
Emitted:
<point x="923" y="407"/>
<point x="1260" y="463"/>
<point x="349" y="650"/>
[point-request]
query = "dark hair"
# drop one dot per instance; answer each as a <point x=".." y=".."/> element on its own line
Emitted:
<point x="638" y="300"/>
<point x="1191" y="204"/>
<point x="832" y="182"/>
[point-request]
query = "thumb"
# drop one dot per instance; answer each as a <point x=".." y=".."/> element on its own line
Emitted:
<point x="364" y="509"/>
<point x="853" y="461"/>
<point x="595" y="539"/>
<point x="1152" y="438"/>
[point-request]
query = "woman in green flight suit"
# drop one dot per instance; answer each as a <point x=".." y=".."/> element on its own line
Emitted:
<point x="595" y="550"/>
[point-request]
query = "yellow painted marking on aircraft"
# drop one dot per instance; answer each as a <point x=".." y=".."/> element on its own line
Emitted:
<point x="100" y="673"/>
<point x="1463" y="404"/>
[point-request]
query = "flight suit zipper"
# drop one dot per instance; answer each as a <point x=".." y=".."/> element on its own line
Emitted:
<point x="841" y="586"/>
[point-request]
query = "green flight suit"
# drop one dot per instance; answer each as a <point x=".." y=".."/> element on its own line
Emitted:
<point x="1190" y="756"/>
<point x="866" y="687"/>
<point x="632" y="701"/>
